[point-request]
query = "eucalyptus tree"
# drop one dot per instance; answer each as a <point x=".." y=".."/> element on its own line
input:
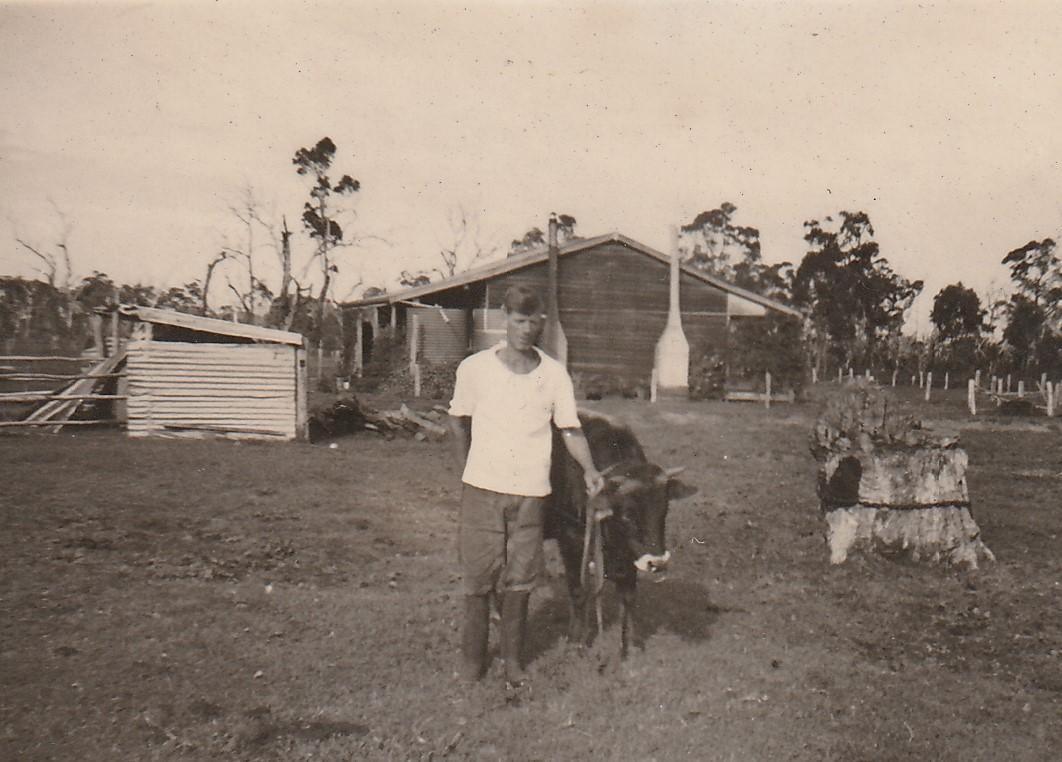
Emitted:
<point x="320" y="214"/>
<point x="855" y="301"/>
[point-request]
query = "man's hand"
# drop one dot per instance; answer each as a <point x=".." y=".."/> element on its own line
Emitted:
<point x="577" y="446"/>
<point x="595" y="482"/>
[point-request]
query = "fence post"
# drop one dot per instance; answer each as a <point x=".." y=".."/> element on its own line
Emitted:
<point x="1043" y="380"/>
<point x="767" y="383"/>
<point x="971" y="396"/>
<point x="1008" y="383"/>
<point x="840" y="376"/>
<point x="851" y="373"/>
<point x="894" y="372"/>
<point x="921" y="379"/>
<point x="359" y="347"/>
<point x="416" y="380"/>
<point x="97" y="335"/>
<point x="929" y="384"/>
<point x="413" y="332"/>
<point x="814" y="375"/>
<point x="977" y="378"/>
<point x="947" y="378"/>
<point x="116" y="333"/>
<point x="1050" y="388"/>
<point x="1021" y="388"/>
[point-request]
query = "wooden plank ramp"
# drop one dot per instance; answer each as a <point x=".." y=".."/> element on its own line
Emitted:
<point x="61" y="410"/>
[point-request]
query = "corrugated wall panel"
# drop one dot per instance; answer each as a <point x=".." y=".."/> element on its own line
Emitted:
<point x="488" y="328"/>
<point x="180" y="388"/>
<point x="442" y="335"/>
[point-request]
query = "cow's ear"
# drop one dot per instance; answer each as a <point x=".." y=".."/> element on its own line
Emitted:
<point x="678" y="489"/>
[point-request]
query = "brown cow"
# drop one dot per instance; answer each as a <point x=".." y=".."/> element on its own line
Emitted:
<point x="633" y="513"/>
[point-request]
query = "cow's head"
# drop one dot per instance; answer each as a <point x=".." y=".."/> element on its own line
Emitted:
<point x="634" y="503"/>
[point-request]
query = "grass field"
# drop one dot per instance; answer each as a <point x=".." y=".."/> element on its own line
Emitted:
<point x="215" y="600"/>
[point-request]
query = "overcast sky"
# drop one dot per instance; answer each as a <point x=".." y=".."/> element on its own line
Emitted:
<point x="142" y="123"/>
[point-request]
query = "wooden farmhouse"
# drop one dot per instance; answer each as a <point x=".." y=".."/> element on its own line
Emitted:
<point x="191" y="376"/>
<point x="612" y="300"/>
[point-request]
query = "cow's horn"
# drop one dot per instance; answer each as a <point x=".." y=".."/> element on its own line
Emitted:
<point x="670" y="472"/>
<point x="626" y="486"/>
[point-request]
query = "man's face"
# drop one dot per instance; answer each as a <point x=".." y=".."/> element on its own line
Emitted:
<point x="522" y="330"/>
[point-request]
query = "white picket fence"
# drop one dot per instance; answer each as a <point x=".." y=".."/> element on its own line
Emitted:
<point x="998" y="390"/>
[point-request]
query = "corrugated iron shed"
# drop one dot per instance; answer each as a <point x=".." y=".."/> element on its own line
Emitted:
<point x="191" y="376"/>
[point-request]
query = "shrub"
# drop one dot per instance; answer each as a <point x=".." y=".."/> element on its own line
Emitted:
<point x="436" y="381"/>
<point x="708" y="377"/>
<point x="595" y="386"/>
<point x="771" y="344"/>
<point x="389" y="357"/>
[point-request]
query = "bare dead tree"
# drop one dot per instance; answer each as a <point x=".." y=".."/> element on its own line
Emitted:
<point x="240" y="296"/>
<point x="285" y="266"/>
<point x="55" y="263"/>
<point x="217" y="260"/>
<point x="465" y="248"/>
<point x="246" y="211"/>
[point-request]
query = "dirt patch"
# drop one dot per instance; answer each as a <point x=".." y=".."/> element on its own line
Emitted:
<point x="193" y="600"/>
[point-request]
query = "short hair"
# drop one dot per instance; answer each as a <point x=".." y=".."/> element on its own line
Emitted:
<point x="523" y="299"/>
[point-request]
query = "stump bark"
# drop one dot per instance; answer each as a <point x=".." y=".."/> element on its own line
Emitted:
<point x="888" y="485"/>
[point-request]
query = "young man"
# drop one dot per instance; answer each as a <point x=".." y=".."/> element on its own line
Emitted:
<point x="504" y="400"/>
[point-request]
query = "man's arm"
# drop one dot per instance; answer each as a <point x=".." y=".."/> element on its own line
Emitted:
<point x="461" y="428"/>
<point x="576" y="445"/>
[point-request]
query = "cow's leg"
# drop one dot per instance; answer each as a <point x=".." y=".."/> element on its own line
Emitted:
<point x="572" y="554"/>
<point x="625" y="589"/>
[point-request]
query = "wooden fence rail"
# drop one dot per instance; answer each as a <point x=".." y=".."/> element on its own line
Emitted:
<point x="57" y="425"/>
<point x="49" y="396"/>
<point x="56" y="376"/>
<point x="46" y="358"/>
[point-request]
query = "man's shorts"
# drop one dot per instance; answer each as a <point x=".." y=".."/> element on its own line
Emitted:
<point x="499" y="540"/>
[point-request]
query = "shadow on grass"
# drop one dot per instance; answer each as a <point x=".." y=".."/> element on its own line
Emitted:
<point x="670" y="605"/>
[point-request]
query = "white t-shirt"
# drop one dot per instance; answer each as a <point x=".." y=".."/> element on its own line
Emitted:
<point x="511" y="437"/>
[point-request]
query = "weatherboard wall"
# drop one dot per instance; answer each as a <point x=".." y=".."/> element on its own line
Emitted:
<point x="613" y="307"/>
<point x="202" y="389"/>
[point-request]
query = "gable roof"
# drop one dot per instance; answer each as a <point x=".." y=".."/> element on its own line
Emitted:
<point x="209" y="325"/>
<point x="539" y="255"/>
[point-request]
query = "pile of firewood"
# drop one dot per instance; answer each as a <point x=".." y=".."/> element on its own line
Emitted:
<point x="348" y="416"/>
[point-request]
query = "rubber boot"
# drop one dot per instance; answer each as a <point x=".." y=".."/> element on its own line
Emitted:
<point x="474" y="637"/>
<point x="513" y="632"/>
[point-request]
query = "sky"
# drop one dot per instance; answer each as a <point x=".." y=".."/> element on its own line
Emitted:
<point x="138" y="127"/>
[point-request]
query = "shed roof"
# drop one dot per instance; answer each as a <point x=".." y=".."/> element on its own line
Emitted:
<point x="541" y="254"/>
<point x="209" y="325"/>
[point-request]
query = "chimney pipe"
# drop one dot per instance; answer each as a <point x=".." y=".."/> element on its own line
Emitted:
<point x="555" y="341"/>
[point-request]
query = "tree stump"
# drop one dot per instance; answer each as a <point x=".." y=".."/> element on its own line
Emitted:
<point x="889" y="486"/>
